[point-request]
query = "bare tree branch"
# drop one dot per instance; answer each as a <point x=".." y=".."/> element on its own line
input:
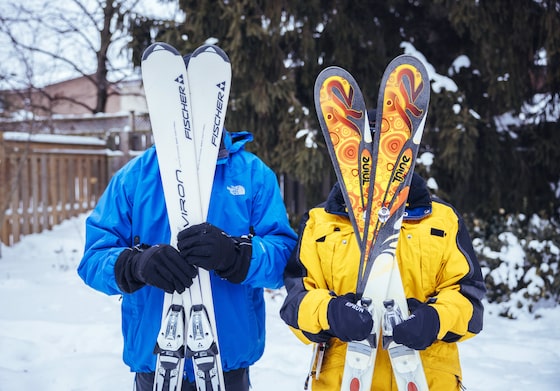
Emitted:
<point x="80" y="37"/>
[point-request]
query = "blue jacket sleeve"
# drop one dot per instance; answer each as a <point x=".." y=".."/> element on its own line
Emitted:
<point x="273" y="239"/>
<point x="107" y="234"/>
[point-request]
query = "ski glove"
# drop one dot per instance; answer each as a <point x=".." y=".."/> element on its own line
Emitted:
<point x="348" y="321"/>
<point x="420" y="330"/>
<point x="161" y="266"/>
<point x="207" y="246"/>
<point x="322" y="336"/>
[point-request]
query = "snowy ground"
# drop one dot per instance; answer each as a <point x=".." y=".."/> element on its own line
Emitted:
<point x="56" y="334"/>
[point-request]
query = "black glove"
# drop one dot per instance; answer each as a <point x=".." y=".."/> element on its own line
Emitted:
<point x="161" y="266"/>
<point x="348" y="321"/>
<point x="420" y="330"/>
<point x="210" y="248"/>
<point x="322" y="336"/>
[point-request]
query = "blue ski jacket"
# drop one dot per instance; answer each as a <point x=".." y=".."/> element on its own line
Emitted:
<point x="245" y="199"/>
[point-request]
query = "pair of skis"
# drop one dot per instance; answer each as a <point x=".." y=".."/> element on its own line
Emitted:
<point x="187" y="107"/>
<point x="375" y="171"/>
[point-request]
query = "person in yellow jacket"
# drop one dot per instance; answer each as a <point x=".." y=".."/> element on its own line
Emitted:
<point x="441" y="276"/>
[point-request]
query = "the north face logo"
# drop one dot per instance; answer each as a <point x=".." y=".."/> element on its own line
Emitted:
<point x="236" y="190"/>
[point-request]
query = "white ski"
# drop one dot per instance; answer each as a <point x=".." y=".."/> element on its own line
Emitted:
<point x="187" y="153"/>
<point x="209" y="78"/>
<point x="384" y="293"/>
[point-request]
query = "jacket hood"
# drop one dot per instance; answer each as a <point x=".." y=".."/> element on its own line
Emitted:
<point x="231" y="143"/>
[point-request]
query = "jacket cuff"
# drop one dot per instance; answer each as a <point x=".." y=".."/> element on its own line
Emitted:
<point x="124" y="275"/>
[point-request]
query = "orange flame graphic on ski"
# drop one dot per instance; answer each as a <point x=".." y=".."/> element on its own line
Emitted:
<point x="394" y="158"/>
<point x="374" y="179"/>
<point x="354" y="161"/>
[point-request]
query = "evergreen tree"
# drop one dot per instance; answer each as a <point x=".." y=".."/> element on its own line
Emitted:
<point x="484" y="163"/>
<point x="262" y="96"/>
<point x="490" y="150"/>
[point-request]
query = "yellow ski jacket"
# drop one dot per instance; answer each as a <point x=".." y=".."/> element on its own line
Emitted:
<point x="436" y="260"/>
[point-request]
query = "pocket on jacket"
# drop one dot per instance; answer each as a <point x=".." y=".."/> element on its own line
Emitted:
<point x="420" y="258"/>
<point x="440" y="380"/>
<point x="339" y="256"/>
<point x="442" y="366"/>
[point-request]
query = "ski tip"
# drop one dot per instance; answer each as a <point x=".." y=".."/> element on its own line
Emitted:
<point x="156" y="47"/>
<point x="409" y="59"/>
<point x="412" y="70"/>
<point x="211" y="49"/>
<point x="333" y="71"/>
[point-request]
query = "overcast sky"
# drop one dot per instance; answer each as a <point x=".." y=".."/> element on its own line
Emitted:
<point x="23" y="68"/>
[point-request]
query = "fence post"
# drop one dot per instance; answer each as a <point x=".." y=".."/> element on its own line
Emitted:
<point x="132" y="121"/>
<point x="3" y="181"/>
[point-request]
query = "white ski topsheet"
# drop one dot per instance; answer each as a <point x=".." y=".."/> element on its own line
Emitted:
<point x="388" y="289"/>
<point x="209" y="74"/>
<point x="187" y="154"/>
<point x="388" y="304"/>
<point x="168" y="97"/>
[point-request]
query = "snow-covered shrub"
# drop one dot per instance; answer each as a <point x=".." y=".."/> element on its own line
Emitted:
<point x="520" y="261"/>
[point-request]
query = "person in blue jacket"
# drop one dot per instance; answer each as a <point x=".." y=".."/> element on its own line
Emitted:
<point x="245" y="242"/>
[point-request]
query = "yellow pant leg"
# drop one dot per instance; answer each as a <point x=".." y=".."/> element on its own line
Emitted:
<point x="442" y="366"/>
<point x="330" y="376"/>
<point x="440" y="361"/>
<point x="332" y="369"/>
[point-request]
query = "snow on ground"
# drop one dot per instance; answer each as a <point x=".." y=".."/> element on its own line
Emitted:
<point x="57" y="334"/>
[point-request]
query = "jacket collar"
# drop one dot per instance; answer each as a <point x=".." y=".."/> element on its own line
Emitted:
<point x="419" y="202"/>
<point x="418" y="205"/>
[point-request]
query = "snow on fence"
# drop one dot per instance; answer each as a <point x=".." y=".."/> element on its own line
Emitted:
<point x="45" y="179"/>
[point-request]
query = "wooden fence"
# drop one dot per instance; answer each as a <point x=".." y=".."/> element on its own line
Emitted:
<point x="45" y="179"/>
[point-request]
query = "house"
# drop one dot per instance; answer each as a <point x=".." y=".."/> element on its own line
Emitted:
<point x="74" y="97"/>
<point x="67" y="108"/>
